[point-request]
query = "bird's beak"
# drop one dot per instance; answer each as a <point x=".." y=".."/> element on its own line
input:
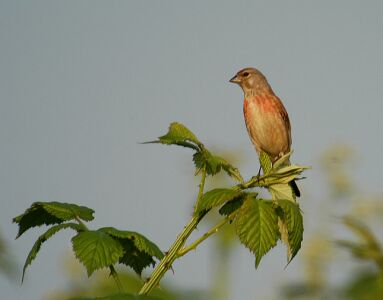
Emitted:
<point x="235" y="79"/>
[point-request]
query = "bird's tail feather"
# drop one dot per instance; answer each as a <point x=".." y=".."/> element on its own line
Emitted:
<point x="295" y="188"/>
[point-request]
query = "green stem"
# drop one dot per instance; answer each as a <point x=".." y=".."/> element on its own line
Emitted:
<point x="209" y="233"/>
<point x="253" y="182"/>
<point x="201" y="188"/>
<point x="81" y="223"/>
<point x="116" y="278"/>
<point x="167" y="261"/>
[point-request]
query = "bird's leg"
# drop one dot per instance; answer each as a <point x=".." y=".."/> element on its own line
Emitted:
<point x="259" y="171"/>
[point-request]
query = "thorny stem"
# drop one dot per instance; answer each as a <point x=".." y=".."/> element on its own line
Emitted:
<point x="167" y="261"/>
<point x="201" y="188"/>
<point x="209" y="233"/>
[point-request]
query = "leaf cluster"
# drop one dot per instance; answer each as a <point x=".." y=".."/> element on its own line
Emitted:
<point x="179" y="134"/>
<point x="259" y="223"/>
<point x="95" y="249"/>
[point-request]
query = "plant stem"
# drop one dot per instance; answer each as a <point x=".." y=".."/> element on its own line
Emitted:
<point x="167" y="261"/>
<point x="81" y="223"/>
<point x="209" y="233"/>
<point x="201" y="188"/>
<point x="116" y="278"/>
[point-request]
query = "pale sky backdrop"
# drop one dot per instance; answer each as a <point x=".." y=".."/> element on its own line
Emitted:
<point x="82" y="83"/>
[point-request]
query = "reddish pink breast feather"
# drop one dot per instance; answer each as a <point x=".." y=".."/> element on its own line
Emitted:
<point x="266" y="103"/>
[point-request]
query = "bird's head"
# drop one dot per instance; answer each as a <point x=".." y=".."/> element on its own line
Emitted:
<point x="251" y="81"/>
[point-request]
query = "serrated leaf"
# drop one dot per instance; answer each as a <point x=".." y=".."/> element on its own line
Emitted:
<point x="96" y="250"/>
<point x="34" y="216"/>
<point x="217" y="197"/>
<point x="137" y="260"/>
<point x="179" y="134"/>
<point x="257" y="226"/>
<point x="282" y="191"/>
<point x="232" y="171"/>
<point x="68" y="211"/>
<point x="204" y="160"/>
<point x="265" y="162"/>
<point x="214" y="164"/>
<point x="283" y="161"/>
<point x="139" y="241"/>
<point x="47" y="213"/>
<point x="42" y="238"/>
<point x="291" y="218"/>
<point x="229" y="207"/>
<point x="138" y="250"/>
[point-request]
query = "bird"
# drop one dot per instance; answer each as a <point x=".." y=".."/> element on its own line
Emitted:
<point x="266" y="119"/>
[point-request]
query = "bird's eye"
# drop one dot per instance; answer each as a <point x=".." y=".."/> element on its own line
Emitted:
<point x="245" y="74"/>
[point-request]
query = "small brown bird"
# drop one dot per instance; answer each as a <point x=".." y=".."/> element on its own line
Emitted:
<point x="266" y="118"/>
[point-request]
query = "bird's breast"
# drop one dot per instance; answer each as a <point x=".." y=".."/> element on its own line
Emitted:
<point x="265" y="125"/>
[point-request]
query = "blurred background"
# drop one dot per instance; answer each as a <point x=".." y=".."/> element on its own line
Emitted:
<point x="83" y="83"/>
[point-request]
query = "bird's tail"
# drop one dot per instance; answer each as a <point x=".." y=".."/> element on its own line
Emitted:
<point x="295" y="188"/>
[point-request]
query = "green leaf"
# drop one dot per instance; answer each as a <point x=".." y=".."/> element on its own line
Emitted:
<point x="257" y="226"/>
<point x="138" y="250"/>
<point x="265" y="161"/>
<point x="96" y="250"/>
<point x="139" y="241"/>
<point x="42" y="238"/>
<point x="291" y="219"/>
<point x="137" y="260"/>
<point x="282" y="191"/>
<point x="68" y="211"/>
<point x="229" y="207"/>
<point x="217" y="197"/>
<point x="179" y="134"/>
<point x="48" y="213"/>
<point x="214" y="164"/>
<point x="232" y="171"/>
<point x="34" y="216"/>
<point x="283" y="161"/>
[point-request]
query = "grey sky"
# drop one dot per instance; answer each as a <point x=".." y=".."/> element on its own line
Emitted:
<point x="83" y="82"/>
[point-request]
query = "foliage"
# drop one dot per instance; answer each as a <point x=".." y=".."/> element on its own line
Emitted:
<point x="259" y="223"/>
<point x="96" y="249"/>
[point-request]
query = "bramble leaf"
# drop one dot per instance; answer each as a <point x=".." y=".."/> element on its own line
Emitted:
<point x="283" y="161"/>
<point x="68" y="211"/>
<point x="229" y="207"/>
<point x="96" y="250"/>
<point x="48" y="213"/>
<point x="179" y="134"/>
<point x="42" y="238"/>
<point x="217" y="197"/>
<point x="290" y="219"/>
<point x="139" y="241"/>
<point x="138" y="250"/>
<point x="257" y="226"/>
<point x="282" y="191"/>
<point x="214" y="164"/>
